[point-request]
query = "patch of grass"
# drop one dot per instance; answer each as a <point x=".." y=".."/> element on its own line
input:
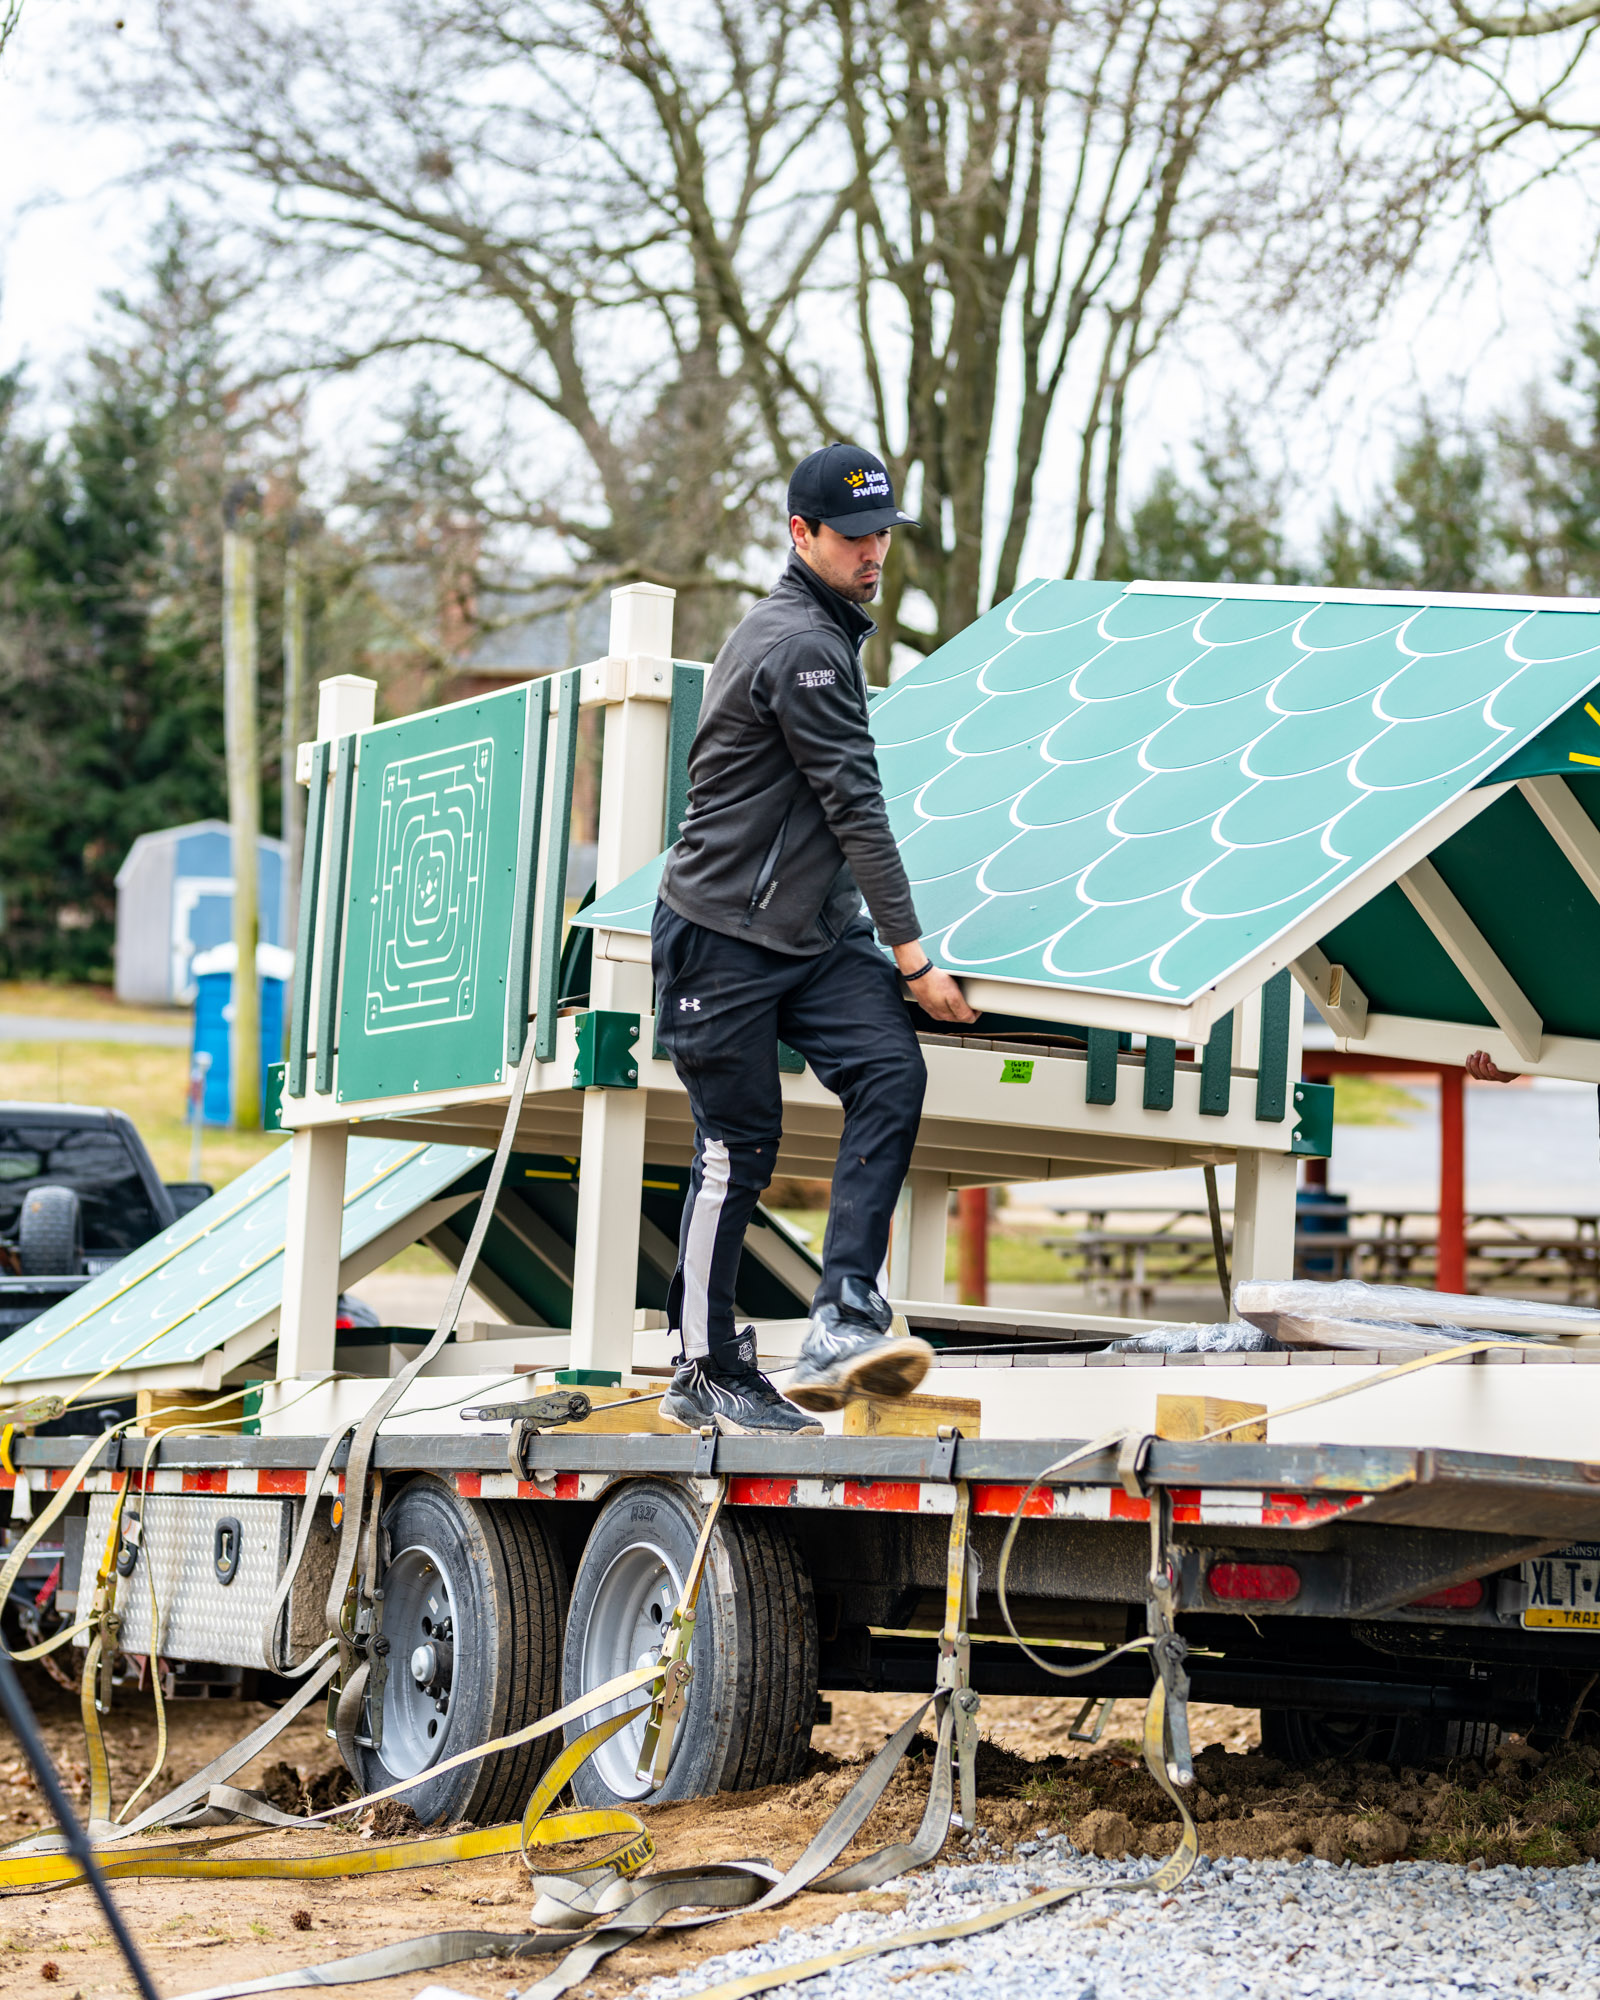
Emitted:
<point x="70" y="1002"/>
<point x="1553" y="1823"/>
<point x="1368" y="1100"/>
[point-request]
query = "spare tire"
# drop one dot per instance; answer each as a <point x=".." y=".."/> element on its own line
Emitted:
<point x="50" y="1233"/>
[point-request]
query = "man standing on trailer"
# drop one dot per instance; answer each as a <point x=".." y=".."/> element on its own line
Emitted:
<point x="759" y="936"/>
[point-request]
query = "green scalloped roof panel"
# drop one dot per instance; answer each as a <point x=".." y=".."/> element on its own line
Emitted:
<point x="1133" y="791"/>
<point x="219" y="1268"/>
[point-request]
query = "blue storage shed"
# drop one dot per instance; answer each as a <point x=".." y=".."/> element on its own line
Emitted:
<point x="175" y="898"/>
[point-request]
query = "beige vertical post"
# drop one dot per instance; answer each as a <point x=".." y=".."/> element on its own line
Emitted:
<point x="294" y="685"/>
<point x="314" y="1226"/>
<point x="917" y="1254"/>
<point x="315" y="1222"/>
<point x="244" y="810"/>
<point x="635" y="684"/>
<point x="1263" y="1215"/>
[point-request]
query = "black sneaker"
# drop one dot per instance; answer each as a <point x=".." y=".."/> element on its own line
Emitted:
<point x="848" y="1351"/>
<point x="738" y="1404"/>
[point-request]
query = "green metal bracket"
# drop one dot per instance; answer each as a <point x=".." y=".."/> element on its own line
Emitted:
<point x="1216" y="1069"/>
<point x="1272" y="1060"/>
<point x="272" y="1099"/>
<point x="589" y="1378"/>
<point x="607" y="1059"/>
<point x="1313" y="1121"/>
<point x="1100" y="1087"/>
<point x="791" y="1060"/>
<point x="1160" y="1066"/>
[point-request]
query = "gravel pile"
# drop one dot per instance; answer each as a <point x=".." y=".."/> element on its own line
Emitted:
<point x="1237" y="1930"/>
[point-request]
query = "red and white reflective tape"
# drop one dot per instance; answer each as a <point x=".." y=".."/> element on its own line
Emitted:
<point x="1192" y="1506"/>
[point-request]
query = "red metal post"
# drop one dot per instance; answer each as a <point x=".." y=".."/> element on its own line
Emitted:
<point x="1451" y="1273"/>
<point x="972" y="1237"/>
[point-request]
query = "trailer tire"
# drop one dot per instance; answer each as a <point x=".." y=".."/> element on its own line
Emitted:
<point x="494" y="1658"/>
<point x="1305" y="1736"/>
<point x="753" y="1694"/>
<point x="50" y="1233"/>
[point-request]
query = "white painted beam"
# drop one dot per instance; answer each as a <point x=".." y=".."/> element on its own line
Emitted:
<point x="1334" y="994"/>
<point x="1428" y="1043"/>
<point x="1568" y="825"/>
<point x="1475" y="959"/>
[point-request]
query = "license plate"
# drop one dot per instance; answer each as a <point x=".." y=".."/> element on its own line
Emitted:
<point x="1562" y="1591"/>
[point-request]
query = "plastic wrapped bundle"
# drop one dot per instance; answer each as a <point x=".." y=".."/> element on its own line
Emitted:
<point x="1234" y="1336"/>
<point x="1265" y="1304"/>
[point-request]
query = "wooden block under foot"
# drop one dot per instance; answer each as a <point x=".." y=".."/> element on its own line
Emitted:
<point x="1183" y="1419"/>
<point x="911" y="1416"/>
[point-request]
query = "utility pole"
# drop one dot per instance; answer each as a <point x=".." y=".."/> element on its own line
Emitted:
<point x="294" y="682"/>
<point x="239" y="676"/>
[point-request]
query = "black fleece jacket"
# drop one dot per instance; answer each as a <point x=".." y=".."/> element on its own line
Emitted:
<point x="786" y="814"/>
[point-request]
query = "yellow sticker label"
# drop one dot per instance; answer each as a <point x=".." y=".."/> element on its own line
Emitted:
<point x="1567" y="1619"/>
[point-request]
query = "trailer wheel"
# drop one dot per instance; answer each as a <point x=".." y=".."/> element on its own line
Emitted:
<point x="1304" y="1736"/>
<point x="754" y="1691"/>
<point x="50" y="1233"/>
<point x="474" y="1596"/>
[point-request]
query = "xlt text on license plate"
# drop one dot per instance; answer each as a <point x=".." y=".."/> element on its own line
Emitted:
<point x="1563" y="1590"/>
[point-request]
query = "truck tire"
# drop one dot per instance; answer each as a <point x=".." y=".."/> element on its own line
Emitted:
<point x="474" y="1596"/>
<point x="50" y="1233"/>
<point x="753" y="1696"/>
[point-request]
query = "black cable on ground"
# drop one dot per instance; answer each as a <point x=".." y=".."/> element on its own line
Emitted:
<point x="26" y="1729"/>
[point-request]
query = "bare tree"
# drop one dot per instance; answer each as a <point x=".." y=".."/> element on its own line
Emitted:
<point x="691" y="243"/>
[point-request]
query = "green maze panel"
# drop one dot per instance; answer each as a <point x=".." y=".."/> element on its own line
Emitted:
<point x="433" y="860"/>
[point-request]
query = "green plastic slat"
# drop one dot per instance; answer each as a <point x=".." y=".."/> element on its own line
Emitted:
<point x="306" y="933"/>
<point x="688" y="691"/>
<point x="1272" y="1063"/>
<point x="519" y="974"/>
<point x="1101" y="1085"/>
<point x="218" y="1271"/>
<point x="1216" y="1069"/>
<point x="344" y="799"/>
<point x="1160" y="1067"/>
<point x="557" y="841"/>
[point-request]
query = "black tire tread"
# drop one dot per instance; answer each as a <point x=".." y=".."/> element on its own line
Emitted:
<point x="784" y="1655"/>
<point x="535" y="1603"/>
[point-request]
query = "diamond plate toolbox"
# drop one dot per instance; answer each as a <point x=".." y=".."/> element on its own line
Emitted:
<point x="201" y="1616"/>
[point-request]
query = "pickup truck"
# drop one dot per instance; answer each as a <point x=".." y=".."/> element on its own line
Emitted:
<point x="78" y="1191"/>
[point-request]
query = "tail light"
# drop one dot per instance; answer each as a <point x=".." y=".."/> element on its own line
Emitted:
<point x="1254" y="1583"/>
<point x="1459" y="1597"/>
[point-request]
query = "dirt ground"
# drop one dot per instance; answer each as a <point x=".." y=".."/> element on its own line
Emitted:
<point x="1031" y="1776"/>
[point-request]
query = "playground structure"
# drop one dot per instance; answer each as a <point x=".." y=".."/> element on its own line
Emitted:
<point x="1136" y="819"/>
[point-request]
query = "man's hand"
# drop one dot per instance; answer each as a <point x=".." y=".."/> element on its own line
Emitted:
<point x="936" y="992"/>
<point x="1482" y="1068"/>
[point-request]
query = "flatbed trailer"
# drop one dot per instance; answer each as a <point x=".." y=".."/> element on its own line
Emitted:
<point x="1398" y="1566"/>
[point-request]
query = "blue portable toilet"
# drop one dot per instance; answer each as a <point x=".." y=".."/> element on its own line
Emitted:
<point x="213" y="1017"/>
<point x="175" y="902"/>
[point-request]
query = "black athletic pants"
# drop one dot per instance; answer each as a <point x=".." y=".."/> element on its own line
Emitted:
<point x="722" y="1006"/>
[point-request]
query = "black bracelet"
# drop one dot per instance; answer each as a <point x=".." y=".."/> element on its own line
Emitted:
<point x="921" y="972"/>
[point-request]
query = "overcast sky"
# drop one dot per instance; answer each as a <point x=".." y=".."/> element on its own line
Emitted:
<point x="71" y="226"/>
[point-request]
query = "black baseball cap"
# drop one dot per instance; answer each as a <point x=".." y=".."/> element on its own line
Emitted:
<point x="846" y="489"/>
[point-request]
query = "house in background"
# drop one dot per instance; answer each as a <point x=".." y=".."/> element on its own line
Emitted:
<point x="175" y="898"/>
